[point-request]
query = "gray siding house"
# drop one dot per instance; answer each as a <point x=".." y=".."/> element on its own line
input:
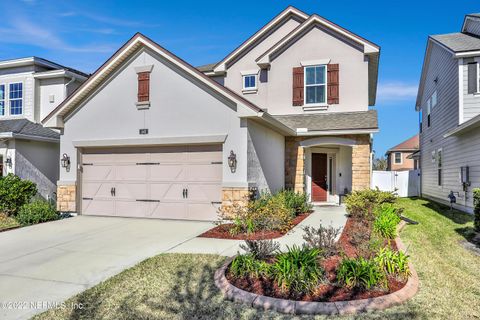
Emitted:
<point x="30" y="88"/>
<point x="449" y="105"/>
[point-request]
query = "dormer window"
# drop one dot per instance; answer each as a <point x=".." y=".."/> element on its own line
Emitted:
<point x="316" y="85"/>
<point x="250" y="82"/>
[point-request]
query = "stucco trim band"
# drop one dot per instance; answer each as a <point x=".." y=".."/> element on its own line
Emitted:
<point x="151" y="141"/>
<point x="235" y="294"/>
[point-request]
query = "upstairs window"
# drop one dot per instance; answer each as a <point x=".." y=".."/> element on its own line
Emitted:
<point x="473" y="78"/>
<point x="2" y="99"/>
<point x="420" y="120"/>
<point x="398" y="158"/>
<point x="16" y="98"/>
<point x="429" y="110"/>
<point x="250" y="82"/>
<point x="315" y="84"/>
<point x="439" y="167"/>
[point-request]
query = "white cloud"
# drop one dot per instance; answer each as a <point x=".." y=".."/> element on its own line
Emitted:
<point x="396" y="91"/>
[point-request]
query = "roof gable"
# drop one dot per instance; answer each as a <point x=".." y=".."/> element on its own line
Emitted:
<point x="408" y="145"/>
<point x="55" y="118"/>
<point x="285" y="15"/>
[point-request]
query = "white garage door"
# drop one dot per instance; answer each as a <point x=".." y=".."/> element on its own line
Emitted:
<point x="177" y="182"/>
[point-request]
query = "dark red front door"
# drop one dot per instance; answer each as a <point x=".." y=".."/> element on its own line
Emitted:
<point x="319" y="177"/>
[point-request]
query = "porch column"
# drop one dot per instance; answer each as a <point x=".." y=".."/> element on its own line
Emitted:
<point x="361" y="157"/>
<point x="294" y="164"/>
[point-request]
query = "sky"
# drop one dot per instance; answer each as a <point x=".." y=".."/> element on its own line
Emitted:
<point x="83" y="34"/>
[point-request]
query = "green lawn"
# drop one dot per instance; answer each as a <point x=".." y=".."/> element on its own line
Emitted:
<point x="179" y="286"/>
<point x="7" y="222"/>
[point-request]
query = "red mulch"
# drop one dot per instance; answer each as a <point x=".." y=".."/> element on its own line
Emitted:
<point x="223" y="231"/>
<point x="329" y="291"/>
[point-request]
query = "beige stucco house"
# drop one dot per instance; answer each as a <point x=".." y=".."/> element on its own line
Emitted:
<point x="149" y="135"/>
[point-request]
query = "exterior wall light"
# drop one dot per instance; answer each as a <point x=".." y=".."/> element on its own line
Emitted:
<point x="65" y="161"/>
<point x="232" y="161"/>
<point x="8" y="161"/>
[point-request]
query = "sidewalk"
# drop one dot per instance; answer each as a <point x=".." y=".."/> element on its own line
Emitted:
<point x="326" y="215"/>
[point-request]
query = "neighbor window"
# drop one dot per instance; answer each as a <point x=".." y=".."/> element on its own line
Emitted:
<point x="420" y="120"/>
<point x="429" y="110"/>
<point x="473" y="78"/>
<point x="398" y="158"/>
<point x="2" y="99"/>
<point x="439" y="165"/>
<point x="250" y="82"/>
<point x="434" y="99"/>
<point x="316" y="84"/>
<point x="16" y="98"/>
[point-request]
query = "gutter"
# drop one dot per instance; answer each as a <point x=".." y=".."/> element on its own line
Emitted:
<point x="11" y="135"/>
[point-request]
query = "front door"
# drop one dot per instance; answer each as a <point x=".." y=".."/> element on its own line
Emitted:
<point x="319" y="177"/>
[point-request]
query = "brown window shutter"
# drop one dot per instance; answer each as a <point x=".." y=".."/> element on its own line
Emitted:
<point x="143" y="86"/>
<point x="333" y="92"/>
<point x="298" y="86"/>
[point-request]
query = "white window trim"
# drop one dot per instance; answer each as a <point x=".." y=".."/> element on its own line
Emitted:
<point x="23" y="100"/>
<point x="307" y="105"/>
<point x="395" y="158"/>
<point x="5" y="104"/>
<point x="434" y="156"/>
<point x="250" y="89"/>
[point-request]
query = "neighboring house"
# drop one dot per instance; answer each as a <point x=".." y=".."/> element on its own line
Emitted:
<point x="399" y="158"/>
<point x="30" y="88"/>
<point x="449" y="104"/>
<point x="148" y="135"/>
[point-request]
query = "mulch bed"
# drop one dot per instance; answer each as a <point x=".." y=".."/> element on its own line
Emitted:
<point x="329" y="291"/>
<point x="223" y="231"/>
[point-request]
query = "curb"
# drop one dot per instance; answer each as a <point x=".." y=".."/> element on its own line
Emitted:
<point x="235" y="294"/>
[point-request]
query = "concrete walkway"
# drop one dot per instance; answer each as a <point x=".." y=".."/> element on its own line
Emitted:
<point x="325" y="215"/>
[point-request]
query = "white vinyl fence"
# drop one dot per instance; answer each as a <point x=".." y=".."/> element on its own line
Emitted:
<point x="405" y="183"/>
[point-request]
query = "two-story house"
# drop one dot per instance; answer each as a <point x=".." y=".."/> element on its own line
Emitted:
<point x="30" y="88"/>
<point x="401" y="157"/>
<point x="449" y="104"/>
<point x="149" y="135"/>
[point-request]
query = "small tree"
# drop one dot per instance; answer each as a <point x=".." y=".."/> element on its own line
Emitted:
<point x="476" y="209"/>
<point x="14" y="193"/>
<point x="380" y="164"/>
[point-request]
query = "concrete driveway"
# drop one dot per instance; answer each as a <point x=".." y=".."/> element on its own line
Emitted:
<point x="48" y="263"/>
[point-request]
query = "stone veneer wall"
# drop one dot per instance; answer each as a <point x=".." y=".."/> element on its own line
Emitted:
<point x="66" y="197"/>
<point x="295" y="162"/>
<point x="234" y="195"/>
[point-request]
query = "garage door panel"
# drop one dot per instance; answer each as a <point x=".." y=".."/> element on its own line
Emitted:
<point x="98" y="207"/>
<point x="173" y="154"/>
<point x="174" y="172"/>
<point x="98" y="173"/>
<point x="97" y="190"/>
<point x="131" y="172"/>
<point x="206" y="173"/>
<point x="130" y="208"/>
<point x="131" y="191"/>
<point x="167" y="191"/>
<point x="204" y="193"/>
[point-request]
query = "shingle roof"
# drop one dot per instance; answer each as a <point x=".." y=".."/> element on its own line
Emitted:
<point x="206" y="67"/>
<point x="474" y="15"/>
<point x="410" y="144"/>
<point x="458" y="42"/>
<point x="331" y="121"/>
<point x="25" y="127"/>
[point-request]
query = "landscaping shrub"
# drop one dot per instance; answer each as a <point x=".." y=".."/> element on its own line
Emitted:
<point x="322" y="238"/>
<point x="361" y="204"/>
<point x="393" y="262"/>
<point x="14" y="193"/>
<point x="476" y="209"/>
<point x="360" y="273"/>
<point x="386" y="221"/>
<point x="260" y="249"/>
<point x="36" y="212"/>
<point x="297" y="269"/>
<point x="297" y="201"/>
<point x="271" y="214"/>
<point x="248" y="265"/>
